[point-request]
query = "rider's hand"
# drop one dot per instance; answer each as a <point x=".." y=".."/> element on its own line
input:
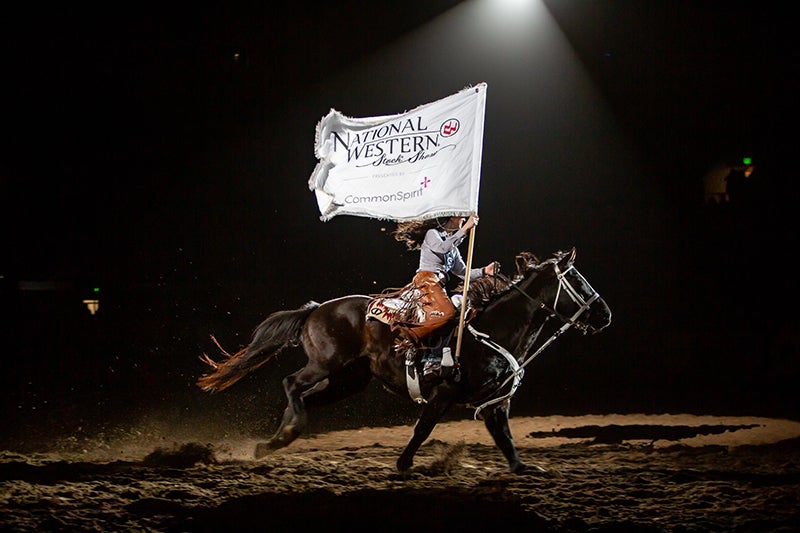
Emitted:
<point x="470" y="223"/>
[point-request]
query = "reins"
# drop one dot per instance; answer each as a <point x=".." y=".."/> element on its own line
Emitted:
<point x="564" y="283"/>
<point x="518" y="365"/>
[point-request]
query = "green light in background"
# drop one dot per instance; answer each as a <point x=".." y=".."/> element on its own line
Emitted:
<point x="747" y="160"/>
<point x="96" y="289"/>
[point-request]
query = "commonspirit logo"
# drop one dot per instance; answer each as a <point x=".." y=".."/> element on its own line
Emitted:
<point x="389" y="198"/>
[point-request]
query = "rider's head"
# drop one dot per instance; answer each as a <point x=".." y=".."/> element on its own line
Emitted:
<point x="412" y="232"/>
<point x="450" y="224"/>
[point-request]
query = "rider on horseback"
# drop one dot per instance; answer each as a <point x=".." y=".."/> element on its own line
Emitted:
<point x="437" y="240"/>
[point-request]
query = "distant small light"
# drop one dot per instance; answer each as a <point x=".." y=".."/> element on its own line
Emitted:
<point x="747" y="160"/>
<point x="236" y="56"/>
<point x="96" y="289"/>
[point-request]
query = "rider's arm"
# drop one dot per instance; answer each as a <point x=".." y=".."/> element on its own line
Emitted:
<point x="434" y="242"/>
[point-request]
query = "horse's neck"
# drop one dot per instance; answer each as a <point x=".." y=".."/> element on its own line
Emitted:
<point x="515" y="318"/>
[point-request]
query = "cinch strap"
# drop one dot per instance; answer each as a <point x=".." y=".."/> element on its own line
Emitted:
<point x="518" y="371"/>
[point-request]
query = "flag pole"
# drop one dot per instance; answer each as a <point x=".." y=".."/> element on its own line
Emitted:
<point x="466" y="288"/>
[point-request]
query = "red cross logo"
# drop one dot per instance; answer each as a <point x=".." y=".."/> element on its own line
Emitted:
<point x="425" y="181"/>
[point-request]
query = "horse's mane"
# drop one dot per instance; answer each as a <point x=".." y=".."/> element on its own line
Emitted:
<point x="484" y="290"/>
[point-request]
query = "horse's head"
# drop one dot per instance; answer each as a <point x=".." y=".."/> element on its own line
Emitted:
<point x="554" y="285"/>
<point x="564" y="293"/>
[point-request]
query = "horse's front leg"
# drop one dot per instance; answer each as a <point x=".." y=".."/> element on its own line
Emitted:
<point x="438" y="404"/>
<point x="495" y="419"/>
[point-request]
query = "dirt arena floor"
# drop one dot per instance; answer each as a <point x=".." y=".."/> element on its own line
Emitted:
<point x="603" y="473"/>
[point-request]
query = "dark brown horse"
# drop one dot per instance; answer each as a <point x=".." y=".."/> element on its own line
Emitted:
<point x="515" y="319"/>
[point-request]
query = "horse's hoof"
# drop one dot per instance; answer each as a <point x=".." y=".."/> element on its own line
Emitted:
<point x="263" y="449"/>
<point x="522" y="468"/>
<point x="404" y="465"/>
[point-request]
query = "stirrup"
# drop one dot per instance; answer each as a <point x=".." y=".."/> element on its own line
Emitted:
<point x="431" y="367"/>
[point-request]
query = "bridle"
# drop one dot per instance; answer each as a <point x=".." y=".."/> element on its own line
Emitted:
<point x="564" y="284"/>
<point x="583" y="303"/>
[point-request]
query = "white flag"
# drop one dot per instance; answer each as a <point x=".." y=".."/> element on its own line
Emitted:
<point x="424" y="163"/>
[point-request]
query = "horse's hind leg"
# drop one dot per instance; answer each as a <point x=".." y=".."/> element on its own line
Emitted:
<point x="295" y="418"/>
<point x="495" y="419"/>
<point x="351" y="379"/>
<point x="436" y="407"/>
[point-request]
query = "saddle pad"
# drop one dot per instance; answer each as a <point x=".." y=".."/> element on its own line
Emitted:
<point x="403" y="308"/>
<point x="384" y="309"/>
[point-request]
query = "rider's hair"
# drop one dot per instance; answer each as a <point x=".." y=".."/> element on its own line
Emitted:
<point x="412" y="232"/>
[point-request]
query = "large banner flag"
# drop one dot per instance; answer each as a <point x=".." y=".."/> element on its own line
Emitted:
<point x="424" y="163"/>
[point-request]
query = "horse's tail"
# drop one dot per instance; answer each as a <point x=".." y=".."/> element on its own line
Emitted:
<point x="277" y="331"/>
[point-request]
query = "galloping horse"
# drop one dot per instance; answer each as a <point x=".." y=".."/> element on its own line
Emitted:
<point x="345" y="350"/>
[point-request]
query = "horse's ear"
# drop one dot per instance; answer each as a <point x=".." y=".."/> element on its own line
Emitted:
<point x="567" y="258"/>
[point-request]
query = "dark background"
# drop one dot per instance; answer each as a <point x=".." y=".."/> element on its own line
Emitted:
<point x="156" y="158"/>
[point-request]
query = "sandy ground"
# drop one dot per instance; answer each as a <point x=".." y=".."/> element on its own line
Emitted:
<point x="604" y="473"/>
